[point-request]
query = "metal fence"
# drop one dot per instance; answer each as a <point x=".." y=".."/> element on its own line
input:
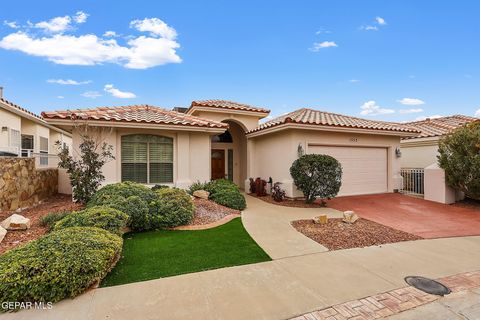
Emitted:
<point x="413" y="181"/>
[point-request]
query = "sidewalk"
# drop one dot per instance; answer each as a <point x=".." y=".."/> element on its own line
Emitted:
<point x="279" y="289"/>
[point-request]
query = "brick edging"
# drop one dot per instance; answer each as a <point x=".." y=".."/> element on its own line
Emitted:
<point x="391" y="302"/>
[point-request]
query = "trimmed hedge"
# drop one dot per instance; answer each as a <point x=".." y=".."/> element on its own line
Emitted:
<point x="51" y="218"/>
<point x="174" y="207"/>
<point x="230" y="198"/>
<point x="103" y="217"/>
<point x="122" y="189"/>
<point x="58" y="265"/>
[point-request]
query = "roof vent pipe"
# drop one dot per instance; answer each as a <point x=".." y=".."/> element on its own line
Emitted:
<point x="1" y="92"/>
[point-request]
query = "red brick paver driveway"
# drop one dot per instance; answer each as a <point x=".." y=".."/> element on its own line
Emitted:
<point x="424" y="218"/>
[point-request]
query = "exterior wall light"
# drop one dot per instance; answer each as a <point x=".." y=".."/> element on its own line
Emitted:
<point x="398" y="152"/>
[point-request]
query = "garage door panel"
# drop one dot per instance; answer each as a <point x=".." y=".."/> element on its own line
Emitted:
<point x="364" y="169"/>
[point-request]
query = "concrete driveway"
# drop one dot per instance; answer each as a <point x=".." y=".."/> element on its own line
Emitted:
<point x="424" y="218"/>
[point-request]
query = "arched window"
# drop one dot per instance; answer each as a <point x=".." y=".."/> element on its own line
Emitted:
<point x="147" y="158"/>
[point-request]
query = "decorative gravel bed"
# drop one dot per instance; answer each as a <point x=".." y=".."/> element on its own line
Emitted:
<point x="207" y="211"/>
<point x="289" y="202"/>
<point x="337" y="235"/>
<point x="56" y="203"/>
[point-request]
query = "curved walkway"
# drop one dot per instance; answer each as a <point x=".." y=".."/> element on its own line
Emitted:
<point x="269" y="225"/>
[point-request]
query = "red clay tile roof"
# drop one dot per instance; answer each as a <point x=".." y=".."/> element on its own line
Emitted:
<point x="307" y="116"/>
<point x="225" y="104"/>
<point x="439" y="126"/>
<point x="11" y="104"/>
<point x="134" y="113"/>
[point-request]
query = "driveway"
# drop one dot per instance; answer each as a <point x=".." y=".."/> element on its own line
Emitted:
<point x="424" y="218"/>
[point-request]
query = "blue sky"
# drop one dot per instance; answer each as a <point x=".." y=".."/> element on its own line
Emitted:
<point x="388" y="60"/>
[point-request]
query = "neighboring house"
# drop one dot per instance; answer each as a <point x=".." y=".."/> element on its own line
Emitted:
<point x="222" y="139"/>
<point x="421" y="150"/>
<point x="25" y="134"/>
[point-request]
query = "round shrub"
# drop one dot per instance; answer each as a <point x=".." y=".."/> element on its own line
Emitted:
<point x="173" y="207"/>
<point x="198" y="186"/>
<point x="58" y="265"/>
<point x="122" y="189"/>
<point x="230" y="198"/>
<point x="221" y="185"/>
<point x="317" y="175"/>
<point x="103" y="217"/>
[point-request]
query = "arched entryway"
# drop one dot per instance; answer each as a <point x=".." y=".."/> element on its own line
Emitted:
<point x="229" y="154"/>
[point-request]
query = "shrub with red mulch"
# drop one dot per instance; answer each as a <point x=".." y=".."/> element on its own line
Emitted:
<point x="336" y="234"/>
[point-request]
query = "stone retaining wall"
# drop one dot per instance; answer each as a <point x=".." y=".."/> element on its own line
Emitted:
<point x="22" y="185"/>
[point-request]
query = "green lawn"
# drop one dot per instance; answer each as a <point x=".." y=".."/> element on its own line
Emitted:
<point x="158" y="254"/>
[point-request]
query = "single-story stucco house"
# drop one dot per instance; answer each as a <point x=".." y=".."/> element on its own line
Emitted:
<point x="222" y="139"/>
<point x="420" y="151"/>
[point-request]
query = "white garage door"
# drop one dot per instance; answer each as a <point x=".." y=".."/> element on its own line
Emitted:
<point x="364" y="169"/>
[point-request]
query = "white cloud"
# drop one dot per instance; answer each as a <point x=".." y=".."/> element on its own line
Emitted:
<point x="477" y="113"/>
<point x="60" y="97"/>
<point x="413" y="110"/>
<point x="91" y="94"/>
<point x="117" y="93"/>
<point x="372" y="109"/>
<point x="323" y="31"/>
<point x="110" y="34"/>
<point x="80" y="17"/>
<point x="55" y="25"/>
<point x="321" y="45"/>
<point x="11" y="24"/>
<point x="353" y="80"/>
<point x="369" y="28"/>
<point x="68" y="82"/>
<point x="421" y="118"/>
<point x="411" y="101"/>
<point x="380" y="21"/>
<point x="155" y="26"/>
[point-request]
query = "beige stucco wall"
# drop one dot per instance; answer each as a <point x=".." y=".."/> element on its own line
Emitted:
<point x="272" y="155"/>
<point x="191" y="153"/>
<point x="37" y="130"/>
<point x="418" y="156"/>
<point x="11" y="121"/>
<point x="248" y="121"/>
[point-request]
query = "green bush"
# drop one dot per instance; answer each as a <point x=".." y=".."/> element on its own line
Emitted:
<point x="58" y="265"/>
<point x="158" y="187"/>
<point x="317" y="175"/>
<point x="123" y="189"/>
<point x="51" y="218"/>
<point x="226" y="193"/>
<point x="173" y="207"/>
<point x="230" y="198"/>
<point x="459" y="156"/>
<point x="198" y="186"/>
<point x="103" y="217"/>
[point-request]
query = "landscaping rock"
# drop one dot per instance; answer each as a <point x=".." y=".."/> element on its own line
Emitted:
<point x="16" y="222"/>
<point x="321" y="219"/>
<point x="349" y="217"/>
<point x="3" y="232"/>
<point x="202" y="194"/>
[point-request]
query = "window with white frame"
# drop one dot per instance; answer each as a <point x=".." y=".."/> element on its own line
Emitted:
<point x="27" y="145"/>
<point x="43" y="151"/>
<point x="147" y="159"/>
<point x="15" y="140"/>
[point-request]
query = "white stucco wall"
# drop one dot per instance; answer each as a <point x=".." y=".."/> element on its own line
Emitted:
<point x="10" y="121"/>
<point x="418" y="156"/>
<point x="273" y="154"/>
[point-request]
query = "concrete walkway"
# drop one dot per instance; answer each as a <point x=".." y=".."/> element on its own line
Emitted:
<point x="295" y="283"/>
<point x="270" y="226"/>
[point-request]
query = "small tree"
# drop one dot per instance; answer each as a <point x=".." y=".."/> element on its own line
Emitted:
<point x="459" y="156"/>
<point x="85" y="171"/>
<point x="317" y="175"/>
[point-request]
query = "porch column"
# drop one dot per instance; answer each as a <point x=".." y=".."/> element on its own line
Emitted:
<point x="250" y="163"/>
<point x="183" y="160"/>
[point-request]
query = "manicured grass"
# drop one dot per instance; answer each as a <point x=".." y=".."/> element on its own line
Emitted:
<point x="157" y="254"/>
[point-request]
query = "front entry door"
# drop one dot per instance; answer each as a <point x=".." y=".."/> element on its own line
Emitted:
<point x="218" y="164"/>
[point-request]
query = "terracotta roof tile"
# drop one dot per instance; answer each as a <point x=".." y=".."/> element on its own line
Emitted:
<point x="11" y="104"/>
<point x="436" y="127"/>
<point x="134" y="113"/>
<point x="315" y="117"/>
<point x="225" y="104"/>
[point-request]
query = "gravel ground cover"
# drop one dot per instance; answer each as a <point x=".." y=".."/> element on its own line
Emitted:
<point x="207" y="211"/>
<point x="289" y="202"/>
<point x="337" y="235"/>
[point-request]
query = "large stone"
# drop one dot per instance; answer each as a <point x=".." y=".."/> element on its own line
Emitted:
<point x="202" y="194"/>
<point x="3" y="232"/>
<point x="321" y="219"/>
<point x="16" y="222"/>
<point x="349" y="217"/>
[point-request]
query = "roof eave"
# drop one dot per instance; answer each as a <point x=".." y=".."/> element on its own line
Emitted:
<point x="285" y="126"/>
<point x="255" y="113"/>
